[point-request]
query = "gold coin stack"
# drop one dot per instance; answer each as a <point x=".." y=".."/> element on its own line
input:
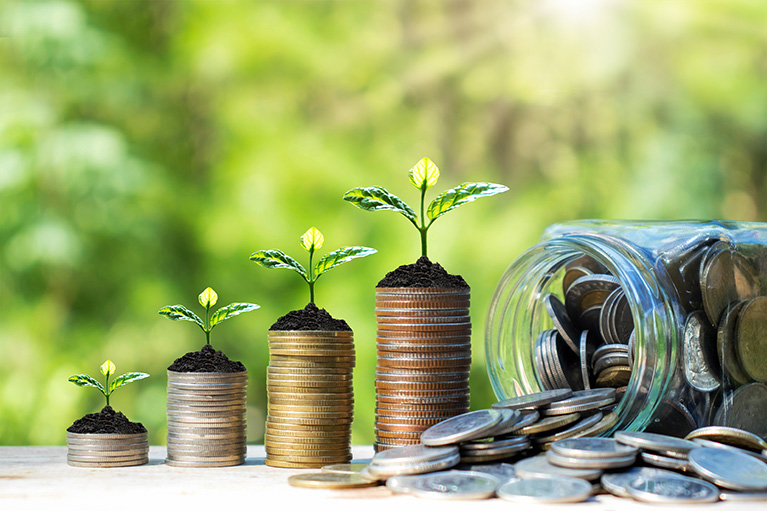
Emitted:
<point x="424" y="354"/>
<point x="206" y="419"/>
<point x="311" y="399"/>
<point x="103" y="450"/>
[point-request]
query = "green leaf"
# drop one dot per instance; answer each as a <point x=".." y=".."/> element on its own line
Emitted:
<point x="341" y="256"/>
<point x="375" y="198"/>
<point x="125" y="379"/>
<point x="208" y="298"/>
<point x="108" y="368"/>
<point x="230" y="311"/>
<point x="467" y="192"/>
<point x="277" y="259"/>
<point x="312" y="239"/>
<point x="180" y="313"/>
<point x="424" y="174"/>
<point x="83" y="380"/>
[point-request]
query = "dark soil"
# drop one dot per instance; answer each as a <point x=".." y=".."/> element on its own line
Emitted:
<point x="106" y="421"/>
<point x="423" y="273"/>
<point x="207" y="360"/>
<point x="310" y="318"/>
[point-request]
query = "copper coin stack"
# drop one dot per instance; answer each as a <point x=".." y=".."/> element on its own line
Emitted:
<point x="424" y="354"/>
<point x="207" y="419"/>
<point x="311" y="399"/>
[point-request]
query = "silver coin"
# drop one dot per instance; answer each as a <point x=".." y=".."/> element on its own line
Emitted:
<point x="609" y="349"/>
<point x="461" y="428"/>
<point x="573" y="430"/>
<point x="588" y="291"/>
<point x="413" y="454"/>
<point x="657" y="460"/>
<point x="702" y="442"/>
<point x="672" y="490"/>
<point x="562" y="323"/>
<point x="108" y="464"/>
<point x="729" y="469"/>
<point x="538" y="466"/>
<point x="578" y="400"/>
<point x="501" y="471"/>
<point x="598" y="463"/>
<point x="126" y="453"/>
<point x="549" y="424"/>
<point x="494" y="444"/>
<point x="617" y="482"/>
<point x="385" y="471"/>
<point x="654" y="441"/>
<point x="508" y="423"/>
<point x="586" y="349"/>
<point x="699" y="353"/>
<point x="527" y="417"/>
<point x="735" y="496"/>
<point x="454" y="485"/>
<point x="191" y="463"/>
<point x="546" y="490"/>
<point x="592" y="448"/>
<point x="400" y="484"/>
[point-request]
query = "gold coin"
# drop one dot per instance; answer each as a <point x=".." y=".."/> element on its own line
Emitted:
<point x="281" y="426"/>
<point x="751" y="337"/>
<point x="330" y="480"/>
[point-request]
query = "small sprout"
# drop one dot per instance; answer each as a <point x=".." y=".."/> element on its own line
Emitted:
<point x="107" y="369"/>
<point x="311" y="240"/>
<point x="423" y="175"/>
<point x="207" y="299"/>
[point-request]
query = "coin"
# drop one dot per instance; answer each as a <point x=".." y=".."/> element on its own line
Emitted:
<point x="588" y="291"/>
<point x="617" y="482"/>
<point x="658" y="460"/>
<point x="701" y="364"/>
<point x="108" y="464"/>
<point x="672" y="490"/>
<point x="539" y="466"/>
<point x="344" y="468"/>
<point x="654" y="442"/>
<point x="501" y="471"/>
<point x="461" y="428"/>
<point x="546" y="490"/>
<point x="743" y="496"/>
<point x="198" y="463"/>
<point x="572" y="274"/>
<point x="414" y="454"/>
<point x="614" y="377"/>
<point x="329" y="481"/>
<point x="562" y="323"/>
<point x="575" y="429"/>
<point x="729" y="469"/>
<point x="603" y="463"/>
<point x="454" y="485"/>
<point x="581" y="400"/>
<point x="534" y="400"/>
<point x="702" y="442"/>
<point x="549" y="424"/>
<point x="726" y="278"/>
<point x="751" y="338"/>
<point x="726" y="344"/>
<point x="607" y="422"/>
<point x="592" y="448"/>
<point x="744" y="409"/>
<point x="730" y="436"/>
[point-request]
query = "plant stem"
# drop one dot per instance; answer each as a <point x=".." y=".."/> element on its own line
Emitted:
<point x="106" y="389"/>
<point x="207" y="328"/>
<point x="311" y="276"/>
<point x="423" y="229"/>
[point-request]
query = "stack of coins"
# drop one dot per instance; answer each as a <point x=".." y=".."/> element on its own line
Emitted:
<point x="95" y="450"/>
<point x="206" y="419"/>
<point x="424" y="353"/>
<point x="311" y="399"/>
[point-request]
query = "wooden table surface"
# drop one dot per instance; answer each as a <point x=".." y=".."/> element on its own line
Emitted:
<point x="39" y="478"/>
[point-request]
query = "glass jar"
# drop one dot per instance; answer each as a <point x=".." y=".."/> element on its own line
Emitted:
<point x="671" y="314"/>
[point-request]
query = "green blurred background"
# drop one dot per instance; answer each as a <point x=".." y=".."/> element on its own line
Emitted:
<point x="148" y="148"/>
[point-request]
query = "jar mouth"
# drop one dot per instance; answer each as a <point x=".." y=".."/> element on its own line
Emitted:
<point x="517" y="316"/>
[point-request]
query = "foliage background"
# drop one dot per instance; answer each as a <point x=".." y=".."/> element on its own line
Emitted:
<point x="147" y="148"/>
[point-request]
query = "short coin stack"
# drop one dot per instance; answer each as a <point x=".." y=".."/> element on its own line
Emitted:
<point x="424" y="352"/>
<point x="95" y="450"/>
<point x="311" y="399"/>
<point x="206" y="419"/>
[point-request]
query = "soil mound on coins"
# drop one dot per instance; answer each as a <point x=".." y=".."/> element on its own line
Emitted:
<point x="310" y="317"/>
<point x="207" y="360"/>
<point x="423" y="273"/>
<point x="106" y="421"/>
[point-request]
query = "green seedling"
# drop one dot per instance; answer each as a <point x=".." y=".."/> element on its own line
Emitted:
<point x="311" y="241"/>
<point x="423" y="175"/>
<point x="107" y="369"/>
<point x="207" y="299"/>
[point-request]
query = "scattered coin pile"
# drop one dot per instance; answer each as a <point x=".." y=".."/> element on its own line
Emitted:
<point x="715" y="462"/>
<point x="206" y="419"/>
<point x="106" y="450"/>
<point x="724" y="350"/>
<point x="424" y="353"/>
<point x="311" y="399"/>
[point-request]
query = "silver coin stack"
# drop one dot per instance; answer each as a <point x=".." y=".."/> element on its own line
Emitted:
<point x="206" y="419"/>
<point x="101" y="450"/>
<point x="423" y="345"/>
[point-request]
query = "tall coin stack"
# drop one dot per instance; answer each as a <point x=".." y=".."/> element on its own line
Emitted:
<point x="424" y="354"/>
<point x="311" y="399"/>
<point x="206" y="419"/>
